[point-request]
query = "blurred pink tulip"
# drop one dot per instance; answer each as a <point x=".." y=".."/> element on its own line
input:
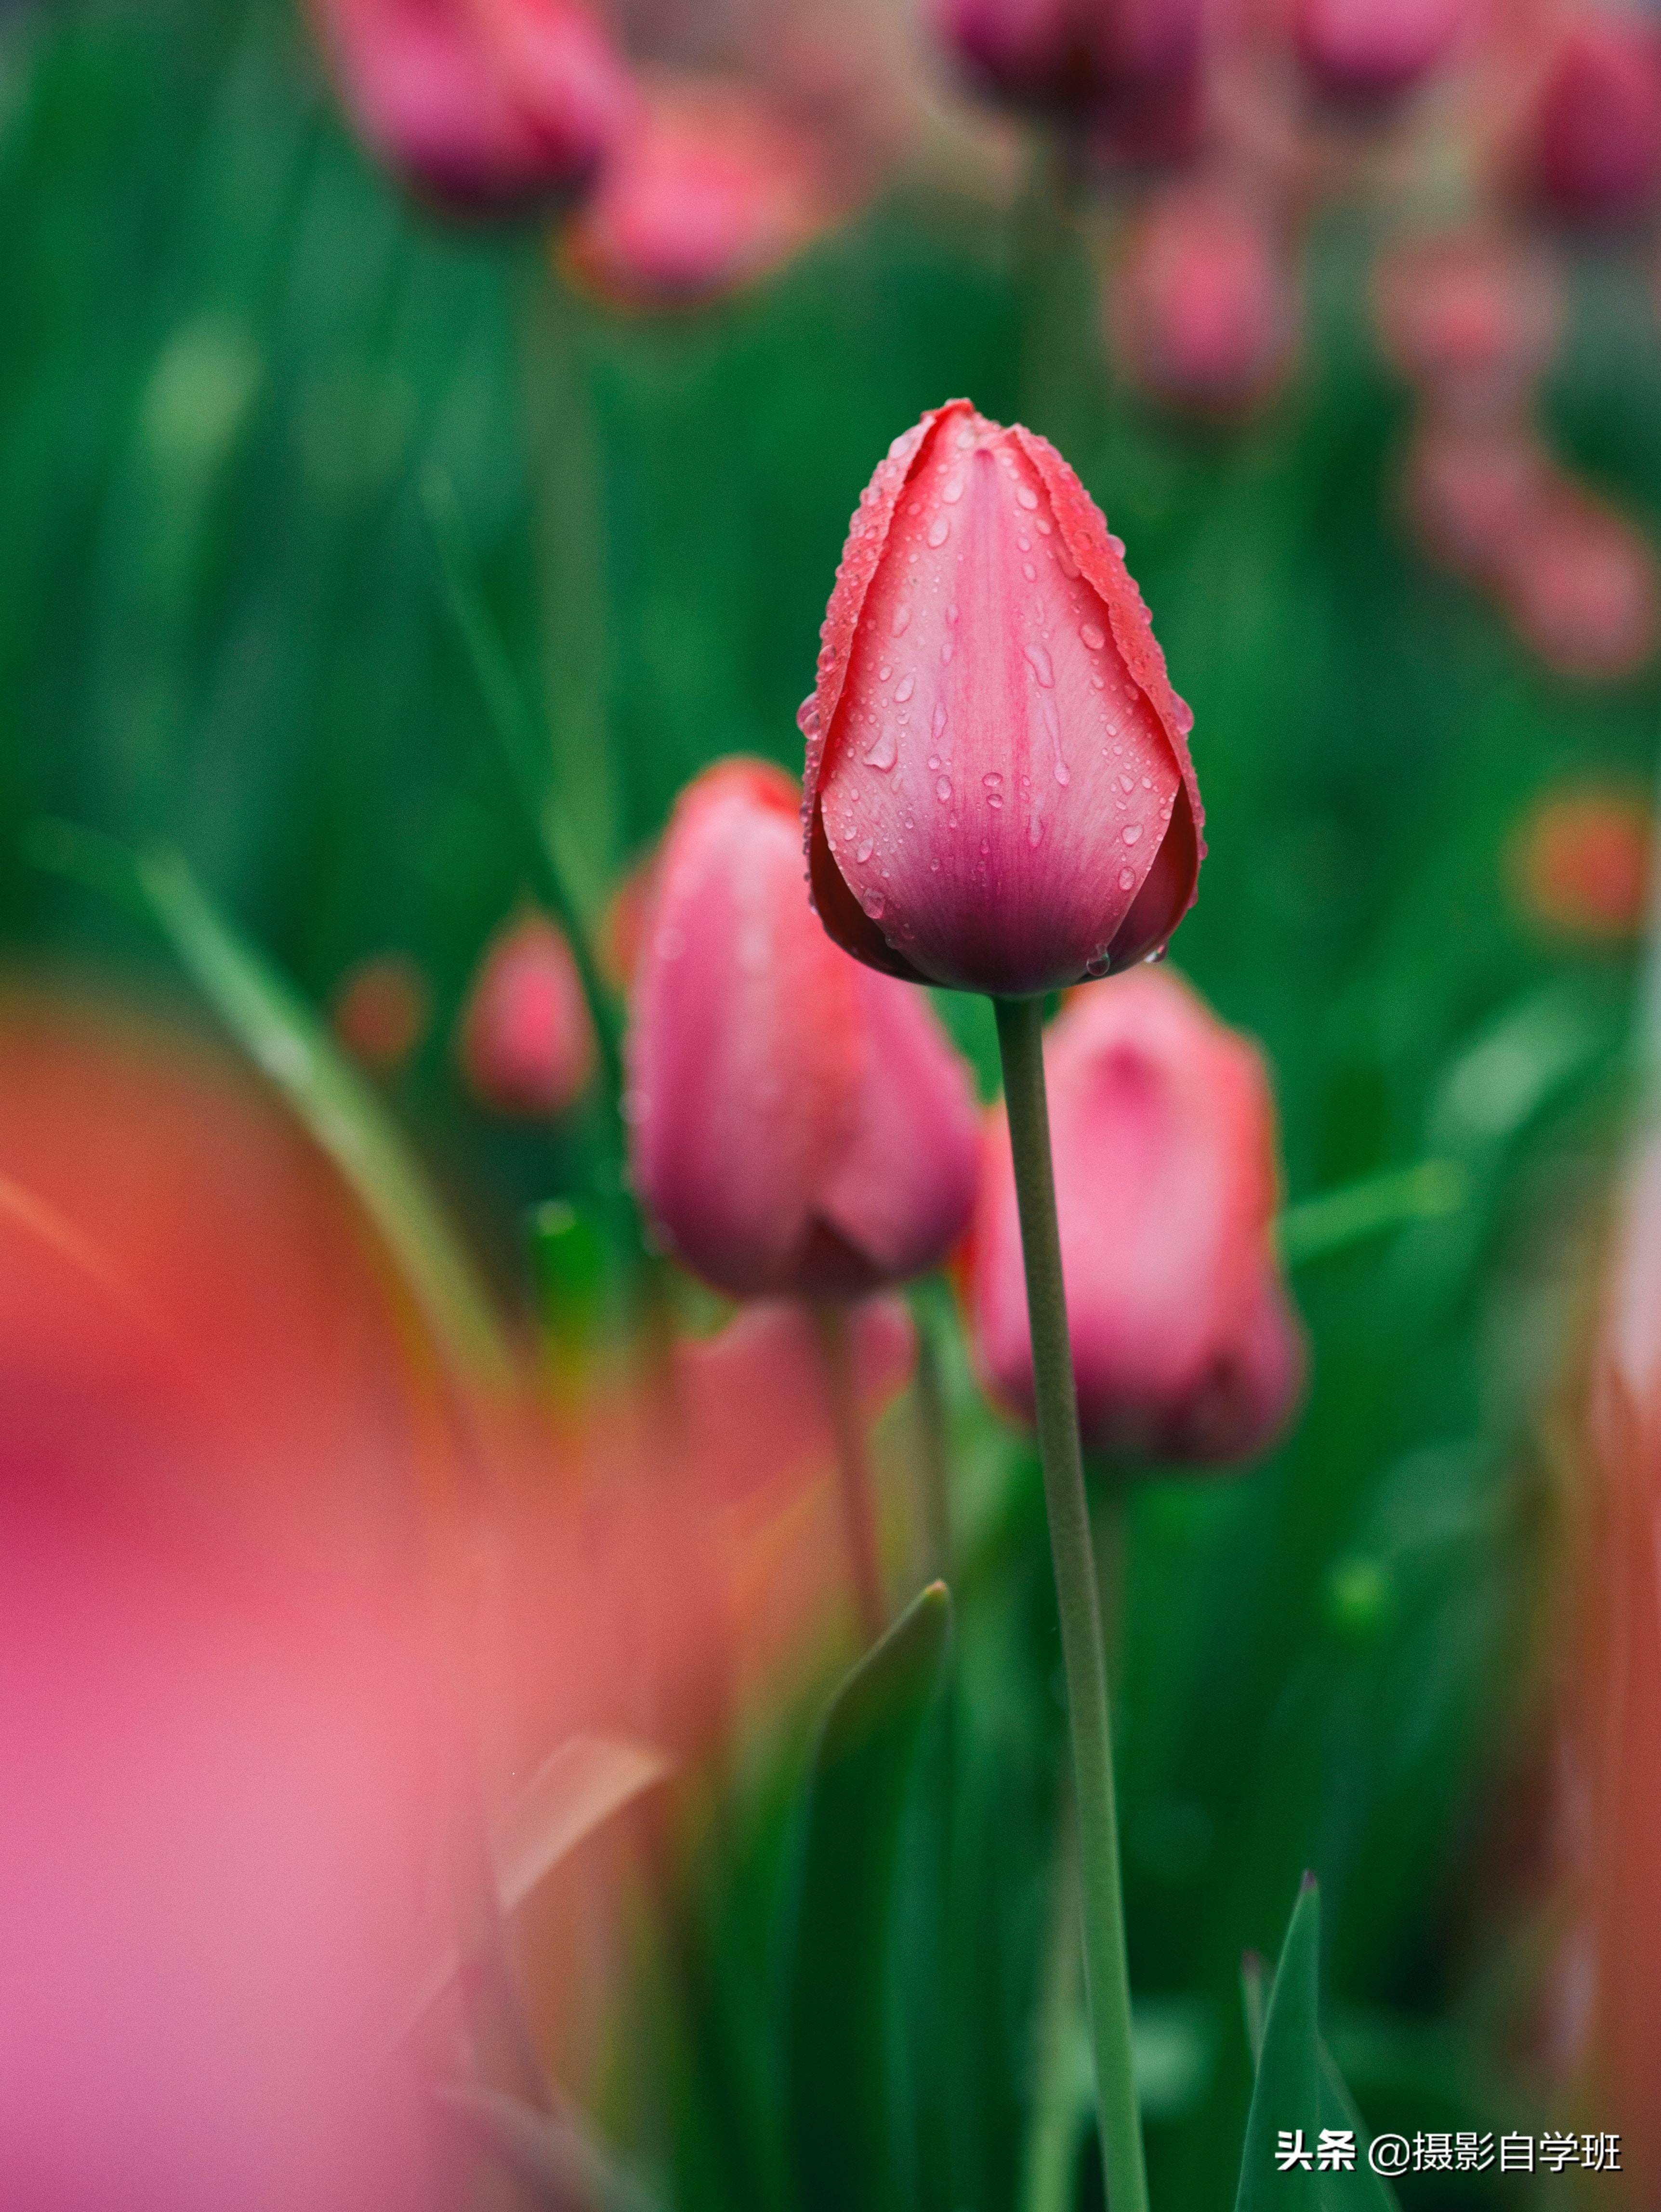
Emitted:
<point x="713" y="189"/>
<point x="1162" y="1124"/>
<point x="1366" y="51"/>
<point x="800" y="1126"/>
<point x="1594" y="134"/>
<point x="1581" y="586"/>
<point x="999" y="794"/>
<point x="1201" y="310"/>
<point x="527" y="1044"/>
<point x="1470" y="318"/>
<point x="1078" y="55"/>
<point x="381" y="1010"/>
<point x="1472" y="490"/>
<point x="482" y="106"/>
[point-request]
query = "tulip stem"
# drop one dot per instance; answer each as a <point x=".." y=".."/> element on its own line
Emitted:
<point x="1107" y="1980"/>
<point x="852" y="1468"/>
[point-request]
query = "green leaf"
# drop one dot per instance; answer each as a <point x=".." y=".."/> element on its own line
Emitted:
<point x="840" y="2064"/>
<point x="1299" y="2089"/>
<point x="285" y="1038"/>
<point x="1338" y="1218"/>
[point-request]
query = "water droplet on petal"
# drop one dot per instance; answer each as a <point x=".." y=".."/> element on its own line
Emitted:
<point x="938" y="531"/>
<point x="1034" y="830"/>
<point x="1027" y="497"/>
<point x="907" y="685"/>
<point x="1061" y="775"/>
<point x="874" y="902"/>
<point x="992" y="780"/>
<point x="938" y="728"/>
<point x="1037" y="659"/>
<point x="952" y="491"/>
<point x="1127" y="783"/>
<point x="864" y="852"/>
<point x="882" y="752"/>
<point x="902" y="618"/>
<point x="1028" y="572"/>
<point x="1126" y="879"/>
<point x="885" y="672"/>
<point x="943" y="790"/>
<point x="1093" y="636"/>
<point x="946" y="652"/>
<point x="1132" y="833"/>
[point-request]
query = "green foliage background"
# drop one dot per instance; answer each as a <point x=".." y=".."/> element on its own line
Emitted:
<point x="231" y="357"/>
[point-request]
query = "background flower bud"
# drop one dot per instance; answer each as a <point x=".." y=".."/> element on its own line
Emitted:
<point x="1201" y="309"/>
<point x="1079" y="55"/>
<point x="526" y="1043"/>
<point x="1581" y="861"/>
<point x="713" y="189"/>
<point x="1594" y="152"/>
<point x="798" y="1126"/>
<point x="999" y="794"/>
<point x="381" y="1009"/>
<point x="1162" y="1126"/>
<point x="481" y="105"/>
<point x="1470" y="318"/>
<point x="1582" y="589"/>
<point x="1364" y="51"/>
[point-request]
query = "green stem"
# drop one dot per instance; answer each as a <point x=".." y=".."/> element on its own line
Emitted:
<point x="1107" y="1980"/>
<point x="931" y="1457"/>
<point x="852" y="1468"/>
<point x="1060" y="2111"/>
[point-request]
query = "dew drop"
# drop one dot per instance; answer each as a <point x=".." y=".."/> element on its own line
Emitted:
<point x="938" y="531"/>
<point x="901" y="620"/>
<point x="1098" y="963"/>
<point x="938" y="729"/>
<point x="965" y="440"/>
<point x="992" y="780"/>
<point x="933" y="760"/>
<point x="1037" y="659"/>
<point x="874" y="902"/>
<point x="864" y="852"/>
<point x="1126" y="879"/>
<point x="883" y="672"/>
<point x="1095" y="638"/>
<point x="946" y="652"/>
<point x="952" y="491"/>
<point x="908" y="684"/>
<point x="952" y="614"/>
<point x="1132" y="833"/>
<point x="1028" y="572"/>
<point x="1034" y="830"/>
<point x="943" y="790"/>
<point x="994" y="799"/>
<point x="1127" y="783"/>
<point x="883" y="752"/>
<point x="1063" y="777"/>
<point x="1027" y="497"/>
<point x="1042" y="527"/>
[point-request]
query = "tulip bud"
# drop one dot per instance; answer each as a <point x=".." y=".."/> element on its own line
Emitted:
<point x="713" y="191"/>
<point x="1363" y="51"/>
<point x="527" y="1044"/>
<point x="1582" y="589"/>
<point x="1201" y="310"/>
<point x="381" y="1009"/>
<point x="999" y="794"/>
<point x="1471" y="320"/>
<point x="1162" y="1129"/>
<point x="1471" y="493"/>
<point x="799" y="1126"/>
<point x="1077" y="56"/>
<point x="480" y="105"/>
<point x="1595" y="134"/>
<point x="1581" y="863"/>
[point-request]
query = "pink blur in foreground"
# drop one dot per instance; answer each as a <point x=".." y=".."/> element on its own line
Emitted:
<point x="527" y="1044"/>
<point x="999" y="792"/>
<point x="483" y="106"/>
<point x="1162" y="1129"/>
<point x="799" y="1125"/>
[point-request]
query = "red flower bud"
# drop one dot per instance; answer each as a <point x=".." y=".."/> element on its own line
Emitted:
<point x="526" y="1043"/>
<point x="1581" y="863"/>
<point x="1201" y="309"/>
<point x="1595" y="134"/>
<point x="1366" y="51"/>
<point x="713" y="191"/>
<point x="999" y="794"/>
<point x="1078" y="55"/>
<point x="1162" y="1124"/>
<point x="381" y="1009"/>
<point x="799" y="1125"/>
<point x="481" y="105"/>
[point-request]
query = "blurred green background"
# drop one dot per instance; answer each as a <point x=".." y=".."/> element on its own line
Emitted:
<point x="231" y="357"/>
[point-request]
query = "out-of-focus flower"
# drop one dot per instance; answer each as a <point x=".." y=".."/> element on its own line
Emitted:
<point x="999" y="794"/>
<point x="381" y="1010"/>
<point x="1580" y="862"/>
<point x="1200" y="306"/>
<point x="800" y="1126"/>
<point x="1470" y="318"/>
<point x="713" y="189"/>
<point x="526" y="1043"/>
<point x="1083" y="56"/>
<point x="1581" y="587"/>
<point x="480" y="105"/>
<point x="1162" y="1126"/>
<point x="1366" y="51"/>
<point x="1471" y="491"/>
<point x="1593" y="147"/>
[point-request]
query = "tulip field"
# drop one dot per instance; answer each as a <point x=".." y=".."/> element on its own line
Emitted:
<point x="830" y="1217"/>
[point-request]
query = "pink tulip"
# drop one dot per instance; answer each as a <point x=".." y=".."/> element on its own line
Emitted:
<point x="800" y="1126"/>
<point x="1471" y="319"/>
<point x="1581" y="586"/>
<point x="1366" y="51"/>
<point x="527" y="1045"/>
<point x="1202" y="310"/>
<point x="713" y="190"/>
<point x="1472" y="490"/>
<point x="1162" y="1124"/>
<point x="1078" y="55"/>
<point x="999" y="794"/>
<point x="481" y="105"/>
<point x="1595" y="135"/>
